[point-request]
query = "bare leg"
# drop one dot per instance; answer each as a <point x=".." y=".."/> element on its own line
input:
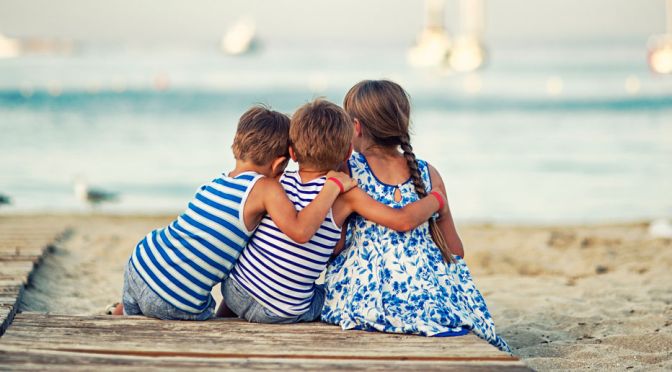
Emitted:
<point x="224" y="311"/>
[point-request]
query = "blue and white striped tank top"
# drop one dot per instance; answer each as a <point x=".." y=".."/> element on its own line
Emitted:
<point x="278" y="272"/>
<point x="183" y="261"/>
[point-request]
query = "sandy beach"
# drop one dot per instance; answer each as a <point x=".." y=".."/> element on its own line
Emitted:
<point x="593" y="297"/>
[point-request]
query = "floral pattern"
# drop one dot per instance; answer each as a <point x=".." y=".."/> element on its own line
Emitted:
<point x="398" y="282"/>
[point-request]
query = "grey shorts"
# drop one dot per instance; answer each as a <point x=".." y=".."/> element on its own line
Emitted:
<point x="139" y="299"/>
<point x="246" y="307"/>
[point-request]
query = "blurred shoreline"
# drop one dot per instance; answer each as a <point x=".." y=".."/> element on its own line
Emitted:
<point x="556" y="133"/>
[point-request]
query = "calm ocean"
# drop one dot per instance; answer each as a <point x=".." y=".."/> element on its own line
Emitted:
<point x="541" y="135"/>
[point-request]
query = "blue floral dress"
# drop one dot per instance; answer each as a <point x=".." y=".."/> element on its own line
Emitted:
<point x="398" y="282"/>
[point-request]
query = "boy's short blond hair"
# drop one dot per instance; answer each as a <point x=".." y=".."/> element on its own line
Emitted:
<point x="262" y="136"/>
<point x="321" y="133"/>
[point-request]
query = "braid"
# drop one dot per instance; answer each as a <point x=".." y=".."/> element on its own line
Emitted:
<point x="434" y="230"/>
<point x="412" y="163"/>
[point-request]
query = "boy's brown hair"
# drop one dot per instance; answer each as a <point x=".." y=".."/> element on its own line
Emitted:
<point x="262" y="136"/>
<point x="321" y="133"/>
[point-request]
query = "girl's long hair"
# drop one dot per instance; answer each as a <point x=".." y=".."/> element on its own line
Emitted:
<point x="383" y="109"/>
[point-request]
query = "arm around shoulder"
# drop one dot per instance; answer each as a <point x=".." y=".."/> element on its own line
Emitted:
<point x="399" y="219"/>
<point x="299" y="226"/>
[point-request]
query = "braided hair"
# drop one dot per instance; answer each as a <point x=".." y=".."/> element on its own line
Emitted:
<point x="383" y="108"/>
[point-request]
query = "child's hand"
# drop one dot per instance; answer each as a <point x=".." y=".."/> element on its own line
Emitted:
<point x="347" y="182"/>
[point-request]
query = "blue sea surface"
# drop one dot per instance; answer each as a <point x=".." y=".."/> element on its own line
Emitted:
<point x="540" y="135"/>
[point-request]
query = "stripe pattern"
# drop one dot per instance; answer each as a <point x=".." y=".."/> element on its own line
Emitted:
<point x="183" y="261"/>
<point x="278" y="272"/>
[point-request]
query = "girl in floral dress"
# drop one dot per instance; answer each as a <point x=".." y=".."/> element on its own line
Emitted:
<point x="414" y="282"/>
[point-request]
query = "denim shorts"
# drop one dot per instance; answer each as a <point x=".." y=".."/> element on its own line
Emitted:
<point x="139" y="299"/>
<point x="246" y="307"/>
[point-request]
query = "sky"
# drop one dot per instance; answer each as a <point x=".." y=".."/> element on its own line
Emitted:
<point x="349" y="22"/>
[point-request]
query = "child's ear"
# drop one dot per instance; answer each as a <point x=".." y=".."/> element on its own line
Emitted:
<point x="358" y="128"/>
<point x="279" y="164"/>
<point x="292" y="154"/>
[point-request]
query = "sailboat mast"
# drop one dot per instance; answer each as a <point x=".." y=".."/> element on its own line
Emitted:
<point x="434" y="14"/>
<point x="471" y="17"/>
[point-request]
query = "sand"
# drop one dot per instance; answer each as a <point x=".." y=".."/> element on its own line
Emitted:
<point x="586" y="297"/>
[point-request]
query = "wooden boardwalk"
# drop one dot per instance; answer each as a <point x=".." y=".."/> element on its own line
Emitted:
<point x="21" y="250"/>
<point x="42" y="341"/>
<point x="37" y="341"/>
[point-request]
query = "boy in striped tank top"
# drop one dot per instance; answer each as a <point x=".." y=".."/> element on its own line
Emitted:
<point x="172" y="270"/>
<point x="274" y="278"/>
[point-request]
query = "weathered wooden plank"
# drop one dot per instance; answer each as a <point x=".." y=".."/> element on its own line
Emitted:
<point x="50" y="360"/>
<point x="24" y="229"/>
<point x="19" y="270"/>
<point x="23" y="267"/>
<point x="10" y="290"/>
<point x="59" y="342"/>
<point x="30" y="238"/>
<point x="21" y="258"/>
<point x="21" y="249"/>
<point x="9" y="306"/>
<point x="234" y="337"/>
<point x="23" y="244"/>
<point x="27" y="235"/>
<point x="34" y="245"/>
<point x="10" y="282"/>
<point x="26" y="242"/>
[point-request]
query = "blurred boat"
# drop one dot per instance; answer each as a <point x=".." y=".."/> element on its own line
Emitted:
<point x="13" y="47"/>
<point x="660" y="47"/>
<point x="467" y="55"/>
<point x="240" y="38"/>
<point x="433" y="43"/>
<point x="468" y="52"/>
<point x="660" y="53"/>
<point x="9" y="47"/>
<point x="46" y="46"/>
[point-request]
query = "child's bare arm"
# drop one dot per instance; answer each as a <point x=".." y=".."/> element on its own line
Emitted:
<point x="445" y="221"/>
<point x="300" y="226"/>
<point x="400" y="219"/>
<point x="341" y="243"/>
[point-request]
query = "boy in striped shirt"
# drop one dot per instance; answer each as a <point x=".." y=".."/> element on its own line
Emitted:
<point x="274" y="278"/>
<point x="172" y="270"/>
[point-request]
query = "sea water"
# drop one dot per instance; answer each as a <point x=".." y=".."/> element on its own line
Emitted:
<point x="573" y="133"/>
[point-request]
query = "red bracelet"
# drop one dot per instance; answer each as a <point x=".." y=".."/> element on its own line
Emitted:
<point x="439" y="198"/>
<point x="337" y="182"/>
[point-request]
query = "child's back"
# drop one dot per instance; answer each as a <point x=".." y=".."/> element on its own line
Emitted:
<point x="172" y="270"/>
<point x="184" y="260"/>
<point x="399" y="282"/>
<point x="277" y="271"/>
<point x="404" y="271"/>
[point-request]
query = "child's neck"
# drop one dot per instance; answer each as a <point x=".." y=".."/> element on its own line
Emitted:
<point x="248" y="166"/>
<point x="308" y="173"/>
<point x="373" y="150"/>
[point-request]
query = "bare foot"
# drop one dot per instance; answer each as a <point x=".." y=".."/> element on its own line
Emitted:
<point x="118" y="310"/>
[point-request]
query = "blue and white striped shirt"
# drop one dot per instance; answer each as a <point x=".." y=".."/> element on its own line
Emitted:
<point x="278" y="272"/>
<point x="183" y="261"/>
